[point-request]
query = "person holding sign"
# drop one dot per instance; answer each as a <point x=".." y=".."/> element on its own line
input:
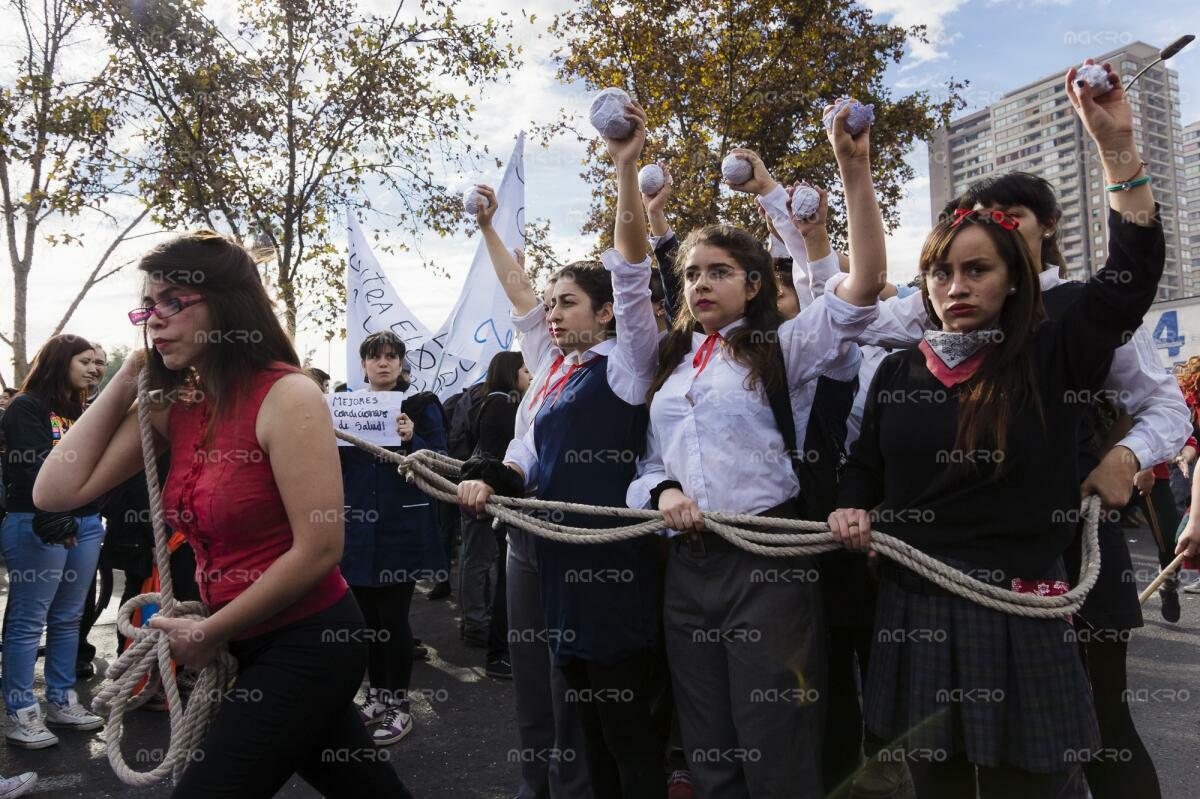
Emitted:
<point x="392" y="540"/>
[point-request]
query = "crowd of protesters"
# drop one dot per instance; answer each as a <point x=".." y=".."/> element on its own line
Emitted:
<point x="705" y="371"/>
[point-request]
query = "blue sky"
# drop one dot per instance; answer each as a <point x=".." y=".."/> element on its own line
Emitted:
<point x="996" y="45"/>
<point x="1002" y="45"/>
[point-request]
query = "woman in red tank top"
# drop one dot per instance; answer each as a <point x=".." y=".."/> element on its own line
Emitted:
<point x="255" y="484"/>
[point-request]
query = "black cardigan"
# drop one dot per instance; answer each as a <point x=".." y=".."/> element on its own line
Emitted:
<point x="494" y="423"/>
<point x="1018" y="510"/>
<point x="27" y="442"/>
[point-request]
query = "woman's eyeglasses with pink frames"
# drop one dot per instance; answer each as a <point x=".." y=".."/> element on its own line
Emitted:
<point x="164" y="309"/>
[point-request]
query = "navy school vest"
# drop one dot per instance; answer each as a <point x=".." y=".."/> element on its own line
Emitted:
<point x="600" y="600"/>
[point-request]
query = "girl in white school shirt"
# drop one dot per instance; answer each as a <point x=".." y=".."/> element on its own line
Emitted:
<point x="601" y="600"/>
<point x="744" y="633"/>
<point x="546" y="721"/>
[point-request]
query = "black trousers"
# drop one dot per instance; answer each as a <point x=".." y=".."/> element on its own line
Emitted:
<point x="845" y="735"/>
<point x="498" y="627"/>
<point x="1133" y="774"/>
<point x="449" y="519"/>
<point x="291" y="711"/>
<point x="389" y="638"/>
<point x="624" y="747"/>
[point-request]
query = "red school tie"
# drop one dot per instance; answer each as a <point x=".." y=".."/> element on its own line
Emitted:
<point x="705" y="353"/>
<point x="541" y="393"/>
<point x="556" y="390"/>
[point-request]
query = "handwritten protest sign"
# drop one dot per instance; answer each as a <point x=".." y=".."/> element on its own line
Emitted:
<point x="370" y="415"/>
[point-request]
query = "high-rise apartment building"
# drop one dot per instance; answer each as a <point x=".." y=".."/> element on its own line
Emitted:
<point x="1189" y="208"/>
<point x="1033" y="129"/>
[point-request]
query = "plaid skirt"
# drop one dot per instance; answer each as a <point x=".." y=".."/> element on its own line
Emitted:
<point x="950" y="677"/>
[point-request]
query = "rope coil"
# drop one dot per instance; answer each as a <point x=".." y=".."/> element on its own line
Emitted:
<point x="152" y="648"/>
<point x="434" y="473"/>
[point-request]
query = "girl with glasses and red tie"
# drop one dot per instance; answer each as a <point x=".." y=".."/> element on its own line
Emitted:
<point x="734" y="379"/>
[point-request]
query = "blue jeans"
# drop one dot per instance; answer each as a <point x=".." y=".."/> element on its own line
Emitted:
<point x="47" y="587"/>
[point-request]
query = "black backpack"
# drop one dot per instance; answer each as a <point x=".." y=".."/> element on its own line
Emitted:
<point x="460" y="410"/>
<point x="820" y="466"/>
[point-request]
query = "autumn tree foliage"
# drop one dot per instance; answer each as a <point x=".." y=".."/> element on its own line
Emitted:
<point x="718" y="74"/>
<point x="58" y="118"/>
<point x="267" y="127"/>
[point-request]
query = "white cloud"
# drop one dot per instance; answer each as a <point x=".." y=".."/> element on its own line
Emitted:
<point x="532" y="96"/>
<point x="930" y="13"/>
<point x="554" y="191"/>
<point x="904" y="243"/>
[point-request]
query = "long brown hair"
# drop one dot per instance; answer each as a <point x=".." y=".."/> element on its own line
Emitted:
<point x="49" y="377"/>
<point x="1005" y="380"/>
<point x="240" y="314"/>
<point x="754" y="344"/>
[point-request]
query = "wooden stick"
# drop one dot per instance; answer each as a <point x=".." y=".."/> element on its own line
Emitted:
<point x="1161" y="578"/>
<point x="1155" y="529"/>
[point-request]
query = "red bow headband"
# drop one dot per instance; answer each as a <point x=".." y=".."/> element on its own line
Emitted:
<point x="1001" y="218"/>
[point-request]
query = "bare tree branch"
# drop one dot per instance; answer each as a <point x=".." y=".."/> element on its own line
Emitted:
<point x="92" y="279"/>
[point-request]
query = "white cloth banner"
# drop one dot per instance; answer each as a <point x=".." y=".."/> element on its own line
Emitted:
<point x="370" y="415"/>
<point x="477" y="328"/>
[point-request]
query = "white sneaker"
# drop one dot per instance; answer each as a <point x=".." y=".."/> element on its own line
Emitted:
<point x="72" y="714"/>
<point x="371" y="710"/>
<point x="27" y="729"/>
<point x="396" y="724"/>
<point x="19" y="785"/>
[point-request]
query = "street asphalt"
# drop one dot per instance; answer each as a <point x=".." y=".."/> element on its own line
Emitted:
<point x="464" y="743"/>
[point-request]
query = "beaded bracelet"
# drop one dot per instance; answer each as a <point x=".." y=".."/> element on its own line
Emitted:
<point x="1141" y="165"/>
<point x="1129" y="184"/>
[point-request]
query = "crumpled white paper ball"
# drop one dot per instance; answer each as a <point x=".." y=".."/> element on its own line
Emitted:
<point x="1095" y="76"/>
<point x="860" y="115"/>
<point x="474" y="201"/>
<point x="651" y="179"/>
<point x="608" y="113"/>
<point x="805" y="202"/>
<point x="736" y="170"/>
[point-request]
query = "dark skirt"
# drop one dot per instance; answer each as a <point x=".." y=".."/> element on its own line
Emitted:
<point x="958" y="678"/>
<point x="1112" y="604"/>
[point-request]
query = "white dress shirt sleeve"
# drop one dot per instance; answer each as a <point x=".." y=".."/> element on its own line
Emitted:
<point x="650" y="472"/>
<point x="1148" y="392"/>
<point x="775" y="204"/>
<point x="536" y="346"/>
<point x="820" y="341"/>
<point x="820" y="271"/>
<point x="522" y="453"/>
<point x="901" y="323"/>
<point x="634" y="360"/>
<point x="808" y="278"/>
